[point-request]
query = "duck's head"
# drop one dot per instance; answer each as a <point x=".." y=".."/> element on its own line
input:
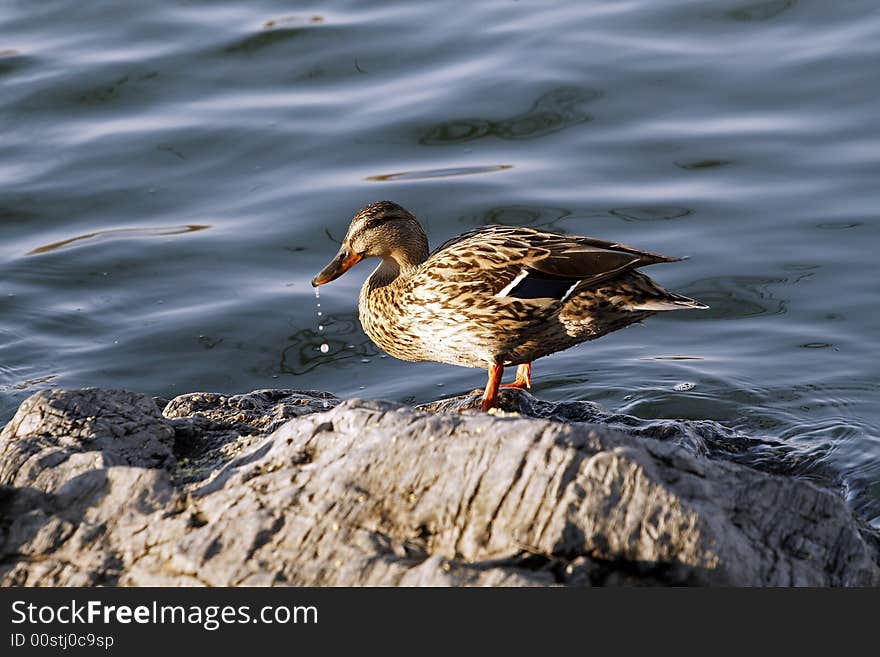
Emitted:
<point x="380" y="230"/>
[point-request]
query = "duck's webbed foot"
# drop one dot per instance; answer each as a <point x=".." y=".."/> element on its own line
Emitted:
<point x="523" y="377"/>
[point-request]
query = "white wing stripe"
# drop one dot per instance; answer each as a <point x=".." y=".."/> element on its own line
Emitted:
<point x="516" y="281"/>
<point x="568" y="293"/>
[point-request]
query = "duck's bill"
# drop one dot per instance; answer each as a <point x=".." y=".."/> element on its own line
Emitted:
<point x="343" y="261"/>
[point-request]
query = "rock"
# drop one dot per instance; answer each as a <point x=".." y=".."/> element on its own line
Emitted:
<point x="700" y="437"/>
<point x="56" y="435"/>
<point x="261" y="411"/>
<point x="212" y="428"/>
<point x="98" y="487"/>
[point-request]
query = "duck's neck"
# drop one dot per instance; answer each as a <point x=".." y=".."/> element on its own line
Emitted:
<point x="397" y="265"/>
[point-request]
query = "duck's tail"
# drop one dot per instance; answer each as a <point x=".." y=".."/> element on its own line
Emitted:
<point x="669" y="301"/>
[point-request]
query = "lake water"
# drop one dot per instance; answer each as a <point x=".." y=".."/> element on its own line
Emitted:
<point x="172" y="174"/>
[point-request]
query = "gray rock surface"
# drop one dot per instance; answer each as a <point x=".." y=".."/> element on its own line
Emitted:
<point x="294" y="488"/>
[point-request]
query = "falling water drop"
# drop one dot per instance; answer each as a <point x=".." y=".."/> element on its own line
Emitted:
<point x="324" y="348"/>
<point x="320" y="327"/>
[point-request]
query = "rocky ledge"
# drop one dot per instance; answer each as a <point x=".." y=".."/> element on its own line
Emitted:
<point x="280" y="487"/>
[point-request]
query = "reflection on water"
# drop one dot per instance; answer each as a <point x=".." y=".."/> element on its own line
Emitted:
<point x="288" y="20"/>
<point x="552" y="217"/>
<point x="651" y="213"/>
<point x="345" y="344"/>
<point x="730" y="297"/>
<point x="554" y="111"/>
<point x="760" y="11"/>
<point x="103" y="93"/>
<point x="168" y="148"/>
<point x="151" y="231"/>
<point x="674" y="358"/>
<point x="209" y="342"/>
<point x="838" y="225"/>
<point x="440" y="173"/>
<point x="11" y="373"/>
<point x="520" y="215"/>
<point x="36" y="381"/>
<point x="11" y="61"/>
<point x="699" y="165"/>
<point x="254" y="43"/>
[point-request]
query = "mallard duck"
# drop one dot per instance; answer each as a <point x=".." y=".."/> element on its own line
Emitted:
<point x="495" y="296"/>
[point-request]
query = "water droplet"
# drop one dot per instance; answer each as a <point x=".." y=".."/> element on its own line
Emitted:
<point x="439" y="385"/>
<point x="320" y="313"/>
<point x="685" y="386"/>
<point x="384" y="356"/>
<point x="627" y="398"/>
<point x="362" y="387"/>
<point x="325" y="403"/>
<point x="320" y="327"/>
<point x="365" y="360"/>
<point x="349" y="346"/>
<point x="317" y="293"/>
<point x="324" y="348"/>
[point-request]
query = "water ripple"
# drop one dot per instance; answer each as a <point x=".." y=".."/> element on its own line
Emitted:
<point x="554" y="111"/>
<point x="440" y="173"/>
<point x="735" y="297"/>
<point x="346" y="345"/>
<point x="652" y="213"/>
<point x="760" y="11"/>
<point x="152" y="231"/>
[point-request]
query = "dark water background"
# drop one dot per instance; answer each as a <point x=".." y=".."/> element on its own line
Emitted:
<point x="173" y="173"/>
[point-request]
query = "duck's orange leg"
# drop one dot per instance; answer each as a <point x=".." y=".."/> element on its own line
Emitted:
<point x="523" y="377"/>
<point x="490" y="394"/>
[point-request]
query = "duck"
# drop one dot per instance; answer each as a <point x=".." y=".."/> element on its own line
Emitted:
<point x="493" y="297"/>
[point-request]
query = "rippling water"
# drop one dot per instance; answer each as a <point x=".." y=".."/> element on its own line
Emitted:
<point x="173" y="173"/>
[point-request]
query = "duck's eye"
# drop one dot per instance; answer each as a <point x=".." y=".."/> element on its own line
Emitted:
<point x="372" y="223"/>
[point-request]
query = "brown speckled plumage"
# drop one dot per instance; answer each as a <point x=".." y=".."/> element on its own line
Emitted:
<point x="494" y="296"/>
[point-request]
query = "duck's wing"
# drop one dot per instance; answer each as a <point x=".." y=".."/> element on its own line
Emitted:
<point x="524" y="263"/>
